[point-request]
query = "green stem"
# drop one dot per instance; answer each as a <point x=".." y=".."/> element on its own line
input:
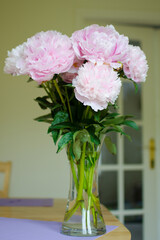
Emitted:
<point x="59" y="92"/>
<point x="72" y="167"/>
<point x="69" y="214"/>
<point x="51" y="90"/>
<point x="90" y="194"/>
<point x="69" y="107"/>
<point x="90" y="180"/>
<point x="48" y="92"/>
<point x="81" y="178"/>
<point x="94" y="215"/>
<point x="90" y="183"/>
<point x="84" y="182"/>
<point x="97" y="205"/>
<point x="86" y="112"/>
<point x="79" y="200"/>
<point x="74" y="173"/>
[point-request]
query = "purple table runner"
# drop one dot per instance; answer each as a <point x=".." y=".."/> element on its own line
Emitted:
<point x="18" y="229"/>
<point x="35" y="202"/>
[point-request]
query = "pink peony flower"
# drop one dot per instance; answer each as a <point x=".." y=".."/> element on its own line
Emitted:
<point x="136" y="67"/>
<point x="15" y="62"/>
<point x="42" y="56"/>
<point x="72" y="72"/>
<point x="96" y="85"/>
<point x="100" y="44"/>
<point x="76" y="65"/>
<point x="48" y="53"/>
<point x="68" y="77"/>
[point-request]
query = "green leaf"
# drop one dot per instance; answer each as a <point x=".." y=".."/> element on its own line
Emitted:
<point x="77" y="149"/>
<point x="110" y="146"/>
<point x="65" y="139"/>
<point x="83" y="135"/>
<point x="43" y="103"/>
<point x="44" y="118"/>
<point x="55" y="135"/>
<point x="91" y="122"/>
<point x="118" y="120"/>
<point x="112" y="115"/>
<point x="93" y="137"/>
<point x="111" y="130"/>
<point x="71" y="154"/>
<point x="131" y="124"/>
<point x="117" y="128"/>
<point x="62" y="126"/>
<point x="120" y="131"/>
<point x="97" y="115"/>
<point x="56" y="106"/>
<point x="60" y="117"/>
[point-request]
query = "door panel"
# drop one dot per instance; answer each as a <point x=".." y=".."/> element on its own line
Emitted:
<point x="132" y="103"/>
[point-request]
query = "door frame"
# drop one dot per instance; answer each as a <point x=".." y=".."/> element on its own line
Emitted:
<point x="141" y="19"/>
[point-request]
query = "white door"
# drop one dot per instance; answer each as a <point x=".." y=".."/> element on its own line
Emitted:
<point x="127" y="181"/>
<point x="157" y="67"/>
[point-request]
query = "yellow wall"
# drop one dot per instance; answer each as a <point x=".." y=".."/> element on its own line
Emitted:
<point x="37" y="170"/>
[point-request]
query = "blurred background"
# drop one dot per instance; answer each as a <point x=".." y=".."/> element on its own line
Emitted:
<point x="128" y="183"/>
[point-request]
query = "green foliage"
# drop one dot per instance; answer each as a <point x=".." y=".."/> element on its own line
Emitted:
<point x="77" y="149"/>
<point x="81" y="135"/>
<point x="131" y="124"/>
<point x="65" y="139"/>
<point x="110" y="146"/>
<point x="93" y="136"/>
<point x="45" y="118"/>
<point x="60" y="117"/>
<point x="79" y="138"/>
<point x="55" y="135"/>
<point x="43" y="103"/>
<point x="73" y="124"/>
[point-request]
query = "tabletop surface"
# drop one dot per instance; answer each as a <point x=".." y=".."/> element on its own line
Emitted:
<point x="56" y="213"/>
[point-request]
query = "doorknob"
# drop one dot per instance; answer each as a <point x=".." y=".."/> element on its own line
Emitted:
<point x="152" y="153"/>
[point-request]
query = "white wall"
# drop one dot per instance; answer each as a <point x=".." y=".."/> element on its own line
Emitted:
<point x="37" y="171"/>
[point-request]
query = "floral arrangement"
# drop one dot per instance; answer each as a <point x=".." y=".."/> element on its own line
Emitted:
<point x="82" y="77"/>
<point x="86" y="68"/>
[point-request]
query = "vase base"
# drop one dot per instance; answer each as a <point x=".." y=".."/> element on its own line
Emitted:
<point x="77" y="230"/>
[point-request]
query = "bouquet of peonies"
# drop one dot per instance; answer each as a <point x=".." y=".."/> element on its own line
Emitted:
<point x="81" y="76"/>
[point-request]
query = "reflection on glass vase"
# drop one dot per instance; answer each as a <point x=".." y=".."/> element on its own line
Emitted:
<point x="83" y="216"/>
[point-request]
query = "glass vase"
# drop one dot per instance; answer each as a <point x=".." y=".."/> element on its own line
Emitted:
<point x="83" y="216"/>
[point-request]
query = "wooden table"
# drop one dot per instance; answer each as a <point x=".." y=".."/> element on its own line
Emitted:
<point x="56" y="213"/>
